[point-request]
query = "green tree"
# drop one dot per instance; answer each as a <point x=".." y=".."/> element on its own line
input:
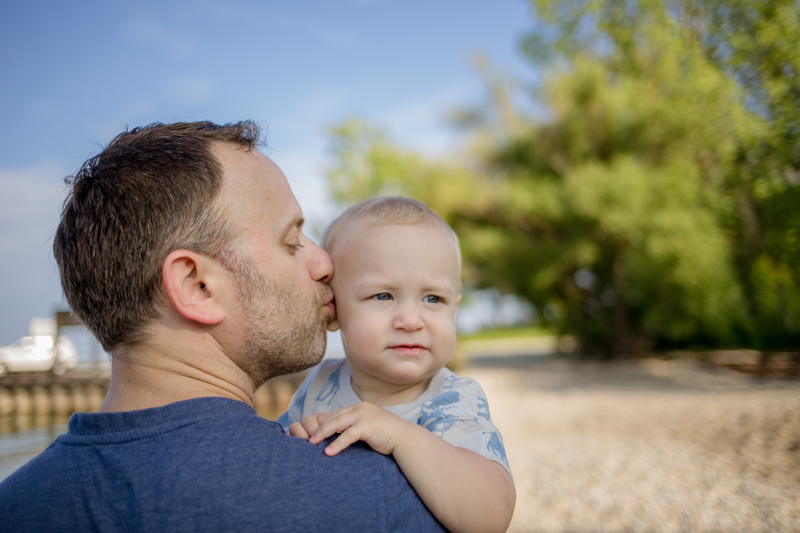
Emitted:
<point x="754" y="45"/>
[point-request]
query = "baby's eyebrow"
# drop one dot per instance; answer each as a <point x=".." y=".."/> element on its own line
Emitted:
<point x="442" y="291"/>
<point x="442" y="284"/>
<point x="375" y="285"/>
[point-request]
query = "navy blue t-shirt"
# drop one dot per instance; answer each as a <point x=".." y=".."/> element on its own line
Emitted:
<point x="209" y="464"/>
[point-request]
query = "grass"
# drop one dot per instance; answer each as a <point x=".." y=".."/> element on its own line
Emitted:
<point x="508" y="333"/>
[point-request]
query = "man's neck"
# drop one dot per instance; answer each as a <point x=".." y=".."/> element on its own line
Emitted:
<point x="163" y="371"/>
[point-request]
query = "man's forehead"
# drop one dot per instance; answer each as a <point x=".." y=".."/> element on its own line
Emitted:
<point x="253" y="184"/>
<point x="240" y="163"/>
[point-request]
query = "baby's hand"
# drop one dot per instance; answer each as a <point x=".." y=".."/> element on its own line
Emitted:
<point x="309" y="425"/>
<point x="376" y="426"/>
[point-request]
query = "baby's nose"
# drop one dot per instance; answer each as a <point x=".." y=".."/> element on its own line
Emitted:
<point x="408" y="318"/>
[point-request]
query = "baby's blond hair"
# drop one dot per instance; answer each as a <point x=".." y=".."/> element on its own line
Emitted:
<point x="387" y="210"/>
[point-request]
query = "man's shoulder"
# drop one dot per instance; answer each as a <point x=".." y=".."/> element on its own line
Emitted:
<point x="236" y="462"/>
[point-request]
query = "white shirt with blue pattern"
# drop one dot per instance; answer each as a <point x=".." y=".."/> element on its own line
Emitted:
<point x="452" y="408"/>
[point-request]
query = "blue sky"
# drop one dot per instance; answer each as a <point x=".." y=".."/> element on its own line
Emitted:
<point x="74" y="74"/>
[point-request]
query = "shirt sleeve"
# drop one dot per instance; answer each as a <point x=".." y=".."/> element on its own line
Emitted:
<point x="460" y="415"/>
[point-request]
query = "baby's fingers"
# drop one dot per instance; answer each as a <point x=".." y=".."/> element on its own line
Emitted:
<point x="297" y="430"/>
<point x="342" y="441"/>
<point x="335" y="423"/>
<point x="310" y="424"/>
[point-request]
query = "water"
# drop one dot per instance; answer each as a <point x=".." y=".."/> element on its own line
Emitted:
<point x="23" y="438"/>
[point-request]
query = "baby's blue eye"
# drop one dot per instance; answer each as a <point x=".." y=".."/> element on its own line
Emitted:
<point x="383" y="296"/>
<point x="433" y="299"/>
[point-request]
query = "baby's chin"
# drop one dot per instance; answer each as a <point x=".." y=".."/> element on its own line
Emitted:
<point x="406" y="376"/>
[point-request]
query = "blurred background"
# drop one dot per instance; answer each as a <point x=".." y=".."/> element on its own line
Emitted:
<point x="624" y="175"/>
<point x="74" y="76"/>
<point x="640" y="188"/>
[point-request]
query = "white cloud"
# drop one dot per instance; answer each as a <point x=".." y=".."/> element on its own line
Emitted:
<point x="305" y="172"/>
<point x="29" y="207"/>
<point x="300" y="149"/>
<point x="421" y="124"/>
<point x="30" y="199"/>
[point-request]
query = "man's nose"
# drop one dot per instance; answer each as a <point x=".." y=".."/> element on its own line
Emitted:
<point x="408" y="318"/>
<point x="320" y="264"/>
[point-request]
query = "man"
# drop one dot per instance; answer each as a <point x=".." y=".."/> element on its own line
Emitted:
<point x="181" y="248"/>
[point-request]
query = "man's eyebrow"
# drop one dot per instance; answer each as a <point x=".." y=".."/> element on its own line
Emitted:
<point x="296" y="222"/>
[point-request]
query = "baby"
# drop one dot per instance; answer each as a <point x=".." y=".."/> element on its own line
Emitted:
<point x="397" y="283"/>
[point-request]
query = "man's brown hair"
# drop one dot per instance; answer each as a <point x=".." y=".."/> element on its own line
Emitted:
<point x="149" y="192"/>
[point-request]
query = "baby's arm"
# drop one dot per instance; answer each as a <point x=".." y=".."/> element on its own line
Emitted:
<point x="464" y="490"/>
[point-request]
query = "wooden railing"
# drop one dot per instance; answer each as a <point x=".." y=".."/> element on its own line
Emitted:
<point x="39" y="399"/>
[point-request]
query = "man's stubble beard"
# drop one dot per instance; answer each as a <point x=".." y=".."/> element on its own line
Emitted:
<point x="285" y="333"/>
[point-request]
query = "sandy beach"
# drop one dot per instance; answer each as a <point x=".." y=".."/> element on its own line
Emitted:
<point x="645" y="445"/>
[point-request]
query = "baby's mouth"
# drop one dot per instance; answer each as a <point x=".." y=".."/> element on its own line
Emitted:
<point x="408" y="349"/>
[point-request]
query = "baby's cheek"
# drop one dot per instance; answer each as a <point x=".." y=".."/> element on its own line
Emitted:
<point x="370" y="345"/>
<point x="361" y="345"/>
<point x="446" y="338"/>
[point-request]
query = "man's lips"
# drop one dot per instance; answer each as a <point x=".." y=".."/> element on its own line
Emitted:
<point x="408" y="349"/>
<point x="328" y="299"/>
<point x="329" y="302"/>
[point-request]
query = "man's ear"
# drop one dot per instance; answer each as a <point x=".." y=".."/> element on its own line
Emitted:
<point x="192" y="283"/>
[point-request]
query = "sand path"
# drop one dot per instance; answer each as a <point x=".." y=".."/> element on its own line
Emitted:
<point x="649" y="445"/>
